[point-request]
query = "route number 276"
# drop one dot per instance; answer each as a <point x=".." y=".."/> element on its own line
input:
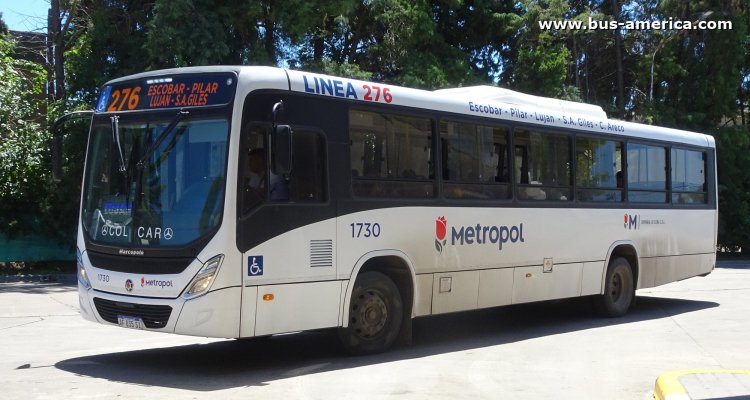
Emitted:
<point x="365" y="229"/>
<point x="125" y="96"/>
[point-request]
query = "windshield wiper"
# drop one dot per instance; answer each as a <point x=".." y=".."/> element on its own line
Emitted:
<point x="116" y="139"/>
<point x="161" y="138"/>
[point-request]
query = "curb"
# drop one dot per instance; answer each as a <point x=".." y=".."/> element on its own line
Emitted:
<point x="742" y="263"/>
<point x="702" y="384"/>
<point x="66" y="279"/>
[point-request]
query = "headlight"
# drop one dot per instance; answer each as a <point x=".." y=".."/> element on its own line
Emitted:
<point x="205" y="277"/>
<point x="83" y="278"/>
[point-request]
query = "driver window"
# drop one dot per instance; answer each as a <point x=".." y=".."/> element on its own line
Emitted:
<point x="304" y="184"/>
<point x="253" y="168"/>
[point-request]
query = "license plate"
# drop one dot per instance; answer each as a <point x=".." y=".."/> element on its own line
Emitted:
<point x="130" y="322"/>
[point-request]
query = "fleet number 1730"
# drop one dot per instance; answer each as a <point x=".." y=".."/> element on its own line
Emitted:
<point x="365" y="229"/>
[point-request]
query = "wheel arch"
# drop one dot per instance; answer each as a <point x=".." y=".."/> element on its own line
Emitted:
<point x="397" y="266"/>
<point x="628" y="250"/>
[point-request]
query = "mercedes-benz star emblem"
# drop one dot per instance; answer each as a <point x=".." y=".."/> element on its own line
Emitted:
<point x="168" y="233"/>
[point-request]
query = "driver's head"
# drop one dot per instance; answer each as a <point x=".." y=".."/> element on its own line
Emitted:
<point x="257" y="160"/>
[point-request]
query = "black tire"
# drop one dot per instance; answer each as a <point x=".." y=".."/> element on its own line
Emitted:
<point x="619" y="290"/>
<point x="375" y="314"/>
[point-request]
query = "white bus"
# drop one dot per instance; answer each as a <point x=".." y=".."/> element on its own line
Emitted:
<point x="238" y="202"/>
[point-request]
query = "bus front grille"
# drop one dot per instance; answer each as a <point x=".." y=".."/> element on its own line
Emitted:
<point x="153" y="316"/>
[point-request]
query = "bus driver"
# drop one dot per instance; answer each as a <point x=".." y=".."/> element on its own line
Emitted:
<point x="257" y="180"/>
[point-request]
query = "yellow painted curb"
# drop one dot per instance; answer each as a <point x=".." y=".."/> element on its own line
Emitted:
<point x="668" y="386"/>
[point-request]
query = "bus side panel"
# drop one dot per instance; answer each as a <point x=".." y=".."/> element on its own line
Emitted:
<point x="532" y="284"/>
<point x="214" y="314"/>
<point x="249" y="302"/>
<point x="423" y="300"/>
<point x="455" y="291"/>
<point x="297" y="307"/>
<point x="467" y="250"/>
<point x="495" y="287"/>
<point x="592" y="278"/>
<point x="675" y="268"/>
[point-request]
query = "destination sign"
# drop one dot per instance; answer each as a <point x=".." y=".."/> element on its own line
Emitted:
<point x="177" y="91"/>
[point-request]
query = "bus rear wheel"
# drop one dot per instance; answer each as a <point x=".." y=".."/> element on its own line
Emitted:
<point x="619" y="290"/>
<point x="375" y="314"/>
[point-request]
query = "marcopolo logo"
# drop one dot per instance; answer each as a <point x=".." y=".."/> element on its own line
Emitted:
<point x="128" y="252"/>
<point x="155" y="283"/>
<point x="477" y="234"/>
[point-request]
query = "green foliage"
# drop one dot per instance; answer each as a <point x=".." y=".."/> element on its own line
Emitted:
<point x="63" y="198"/>
<point x="23" y="141"/>
<point x="351" y="71"/>
<point x="184" y="33"/>
<point x="733" y="163"/>
<point x="699" y="61"/>
<point x="543" y="60"/>
<point x="111" y="45"/>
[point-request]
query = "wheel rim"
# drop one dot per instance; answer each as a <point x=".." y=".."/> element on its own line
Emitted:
<point x="617" y="289"/>
<point x="369" y="314"/>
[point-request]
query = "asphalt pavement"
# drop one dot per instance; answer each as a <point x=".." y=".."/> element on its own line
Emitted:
<point x="548" y="350"/>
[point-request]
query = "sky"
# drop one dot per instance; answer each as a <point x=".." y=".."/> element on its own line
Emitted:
<point x="25" y="15"/>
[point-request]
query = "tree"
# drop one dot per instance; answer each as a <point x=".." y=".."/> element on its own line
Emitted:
<point x="698" y="72"/>
<point x="544" y="58"/>
<point x="109" y="43"/>
<point x="23" y="141"/>
<point x="733" y="145"/>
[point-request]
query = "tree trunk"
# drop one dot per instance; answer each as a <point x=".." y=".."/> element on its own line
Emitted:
<point x="616" y="11"/>
<point x="55" y="36"/>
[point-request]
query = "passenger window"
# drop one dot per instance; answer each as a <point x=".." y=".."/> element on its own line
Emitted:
<point x="391" y="155"/>
<point x="475" y="161"/>
<point x="599" y="174"/>
<point x="688" y="177"/>
<point x="542" y="162"/>
<point x="647" y="176"/>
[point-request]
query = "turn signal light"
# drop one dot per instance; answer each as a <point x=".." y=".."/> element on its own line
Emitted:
<point x="268" y="297"/>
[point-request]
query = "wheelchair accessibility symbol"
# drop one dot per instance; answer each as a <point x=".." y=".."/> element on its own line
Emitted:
<point x="255" y="265"/>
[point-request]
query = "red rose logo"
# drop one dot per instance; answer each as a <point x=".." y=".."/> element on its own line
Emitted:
<point x="441" y="227"/>
<point x="626" y="220"/>
<point x="143" y="281"/>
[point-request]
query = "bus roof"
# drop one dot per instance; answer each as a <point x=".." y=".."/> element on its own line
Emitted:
<point x="490" y="102"/>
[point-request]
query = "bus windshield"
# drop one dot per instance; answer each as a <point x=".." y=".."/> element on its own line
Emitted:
<point x="154" y="182"/>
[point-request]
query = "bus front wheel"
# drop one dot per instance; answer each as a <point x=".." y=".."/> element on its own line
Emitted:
<point x="375" y="314"/>
<point x="619" y="290"/>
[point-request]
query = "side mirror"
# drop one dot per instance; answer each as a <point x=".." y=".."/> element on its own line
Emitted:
<point x="281" y="149"/>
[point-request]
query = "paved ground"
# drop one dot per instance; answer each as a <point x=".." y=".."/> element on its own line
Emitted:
<point x="553" y="350"/>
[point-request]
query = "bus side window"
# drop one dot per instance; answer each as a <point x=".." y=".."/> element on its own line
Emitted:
<point x="522" y="165"/>
<point x="474" y="161"/>
<point x="688" y="176"/>
<point x="545" y="165"/>
<point x="647" y="176"/>
<point x="599" y="174"/>
<point x="307" y="181"/>
<point x="391" y="155"/>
